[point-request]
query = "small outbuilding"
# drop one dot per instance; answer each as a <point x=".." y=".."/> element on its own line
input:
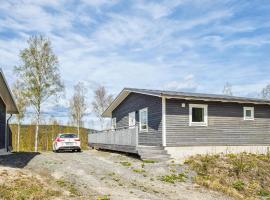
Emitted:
<point x="7" y="106"/>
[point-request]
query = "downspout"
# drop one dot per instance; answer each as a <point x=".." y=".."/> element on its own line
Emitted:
<point x="7" y="135"/>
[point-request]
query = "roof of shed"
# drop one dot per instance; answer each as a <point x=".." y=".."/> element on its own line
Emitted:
<point x="6" y="95"/>
<point x="181" y="95"/>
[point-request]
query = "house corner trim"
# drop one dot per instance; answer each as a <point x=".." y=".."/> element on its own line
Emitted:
<point x="164" y="142"/>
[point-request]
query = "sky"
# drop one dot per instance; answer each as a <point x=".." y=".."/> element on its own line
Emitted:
<point x="181" y="45"/>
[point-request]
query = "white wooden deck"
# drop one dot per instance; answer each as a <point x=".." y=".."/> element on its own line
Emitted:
<point x="122" y="139"/>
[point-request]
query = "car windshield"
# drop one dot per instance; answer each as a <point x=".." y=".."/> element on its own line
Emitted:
<point x="68" y="136"/>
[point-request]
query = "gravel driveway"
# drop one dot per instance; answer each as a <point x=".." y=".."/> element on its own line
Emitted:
<point x="97" y="174"/>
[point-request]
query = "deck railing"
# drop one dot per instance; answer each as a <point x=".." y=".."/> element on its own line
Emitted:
<point x="120" y="136"/>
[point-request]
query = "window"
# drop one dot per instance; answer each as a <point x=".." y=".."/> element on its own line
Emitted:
<point x="198" y="115"/>
<point x="131" y="120"/>
<point x="248" y="113"/>
<point x="114" y="123"/>
<point x="144" y="120"/>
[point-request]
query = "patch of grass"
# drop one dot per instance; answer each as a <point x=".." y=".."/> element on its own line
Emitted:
<point x="173" y="178"/>
<point x="238" y="185"/>
<point x="126" y="164"/>
<point x="111" y="174"/>
<point x="149" y="161"/>
<point x="116" y="179"/>
<point x="104" y="198"/>
<point x="69" y="186"/>
<point x="26" y="188"/>
<point x="242" y="176"/>
<point x="264" y="193"/>
<point x="140" y="171"/>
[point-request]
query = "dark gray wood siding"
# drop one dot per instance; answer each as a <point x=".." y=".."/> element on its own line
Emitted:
<point x="2" y="123"/>
<point x="226" y="125"/>
<point x="135" y="102"/>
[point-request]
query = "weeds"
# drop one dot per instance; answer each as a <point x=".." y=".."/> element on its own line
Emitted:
<point x="140" y="171"/>
<point x="104" y="198"/>
<point x="149" y="161"/>
<point x="264" y="193"/>
<point x="126" y="164"/>
<point x="69" y="186"/>
<point x="242" y="176"/>
<point x="238" y="185"/>
<point x="173" y="178"/>
<point x="26" y="188"/>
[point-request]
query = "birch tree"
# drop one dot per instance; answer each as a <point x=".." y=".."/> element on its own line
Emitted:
<point x="21" y="102"/>
<point x="227" y="90"/>
<point x="39" y="75"/>
<point x="102" y="99"/>
<point x="78" y="105"/>
<point x="265" y="93"/>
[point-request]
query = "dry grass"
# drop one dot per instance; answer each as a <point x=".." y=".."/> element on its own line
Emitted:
<point x="242" y="176"/>
<point x="19" y="185"/>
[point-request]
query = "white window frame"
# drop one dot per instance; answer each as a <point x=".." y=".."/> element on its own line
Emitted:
<point x="252" y="113"/>
<point x="205" y="107"/>
<point x="140" y="116"/>
<point x="113" y="126"/>
<point x="130" y="116"/>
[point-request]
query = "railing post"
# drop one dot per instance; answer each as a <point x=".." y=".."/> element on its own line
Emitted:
<point x="137" y="135"/>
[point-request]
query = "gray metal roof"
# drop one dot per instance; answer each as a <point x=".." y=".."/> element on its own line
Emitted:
<point x="181" y="95"/>
<point x="6" y="95"/>
<point x="197" y="95"/>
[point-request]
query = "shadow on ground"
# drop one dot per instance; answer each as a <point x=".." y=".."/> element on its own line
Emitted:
<point x="17" y="160"/>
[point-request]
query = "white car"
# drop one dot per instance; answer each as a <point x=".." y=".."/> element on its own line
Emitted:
<point x="67" y="141"/>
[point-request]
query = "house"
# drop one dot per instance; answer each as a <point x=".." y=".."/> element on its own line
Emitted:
<point x="162" y="124"/>
<point x="7" y="106"/>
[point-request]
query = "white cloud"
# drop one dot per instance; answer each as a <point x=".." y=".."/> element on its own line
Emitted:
<point x="140" y="45"/>
<point x="188" y="83"/>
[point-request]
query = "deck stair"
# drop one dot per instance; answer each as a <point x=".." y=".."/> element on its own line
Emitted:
<point x="155" y="153"/>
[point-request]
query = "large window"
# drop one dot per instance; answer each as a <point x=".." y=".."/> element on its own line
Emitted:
<point x="114" y="123"/>
<point x="198" y="115"/>
<point x="248" y="113"/>
<point x="144" y="120"/>
<point x="132" y="120"/>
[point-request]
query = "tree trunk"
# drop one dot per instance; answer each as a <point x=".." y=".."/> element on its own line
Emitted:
<point x="36" y="135"/>
<point x="18" y="136"/>
<point x="78" y="128"/>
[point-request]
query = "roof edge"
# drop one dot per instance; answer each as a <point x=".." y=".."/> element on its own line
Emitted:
<point x="16" y="111"/>
<point x="189" y="96"/>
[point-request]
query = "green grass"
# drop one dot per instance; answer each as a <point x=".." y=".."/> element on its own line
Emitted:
<point x="150" y="161"/>
<point x="104" y="198"/>
<point x="140" y="171"/>
<point x="126" y="164"/>
<point x="238" y="185"/>
<point x="173" y="178"/>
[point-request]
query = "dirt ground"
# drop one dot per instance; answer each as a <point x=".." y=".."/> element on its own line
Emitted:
<point x="104" y="175"/>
